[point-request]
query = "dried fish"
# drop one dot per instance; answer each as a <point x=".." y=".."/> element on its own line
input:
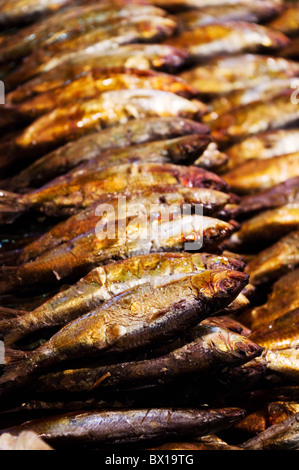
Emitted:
<point x="288" y="20"/>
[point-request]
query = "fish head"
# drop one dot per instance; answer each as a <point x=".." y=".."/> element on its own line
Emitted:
<point x="220" y="285"/>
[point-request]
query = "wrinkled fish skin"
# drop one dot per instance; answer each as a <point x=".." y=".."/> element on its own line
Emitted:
<point x="257" y="175"/>
<point x="120" y="324"/>
<point x="254" y="118"/>
<point x="282" y="299"/>
<point x="125" y="426"/>
<point x="262" y="146"/>
<point x="92" y="84"/>
<point x="266" y="227"/>
<point x="227" y="38"/>
<point x="281" y="436"/>
<point x="228" y="73"/>
<point x="131" y="238"/>
<point x="279" y="334"/>
<point x="136" y="132"/>
<point x="276" y="196"/>
<point x="133" y="56"/>
<point x="112" y="107"/>
<point x="212" y="201"/>
<point x="105" y="282"/>
<point x="253" y="13"/>
<point x="275" y="261"/>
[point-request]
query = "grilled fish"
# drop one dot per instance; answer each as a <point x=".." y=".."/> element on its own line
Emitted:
<point x="262" y="146"/>
<point x="256" y="175"/>
<point x="231" y="37"/>
<point x="61" y="196"/>
<point x="132" y="56"/>
<point x="279" y="334"/>
<point x="120" y="324"/>
<point x="249" y="12"/>
<point x="275" y="261"/>
<point x="125" y="426"/>
<point x="208" y="348"/>
<point x="225" y="74"/>
<point x="137" y="131"/>
<point x="283" y="298"/>
<point x="281" y="436"/>
<point x="143" y="234"/>
<point x="266" y="227"/>
<point x="276" y="196"/>
<point x="112" y="107"/>
<point x="256" y="117"/>
<point x="105" y="282"/>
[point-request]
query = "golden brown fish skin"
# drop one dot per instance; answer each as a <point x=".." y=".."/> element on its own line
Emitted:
<point x="125" y="426"/>
<point x="121" y="325"/>
<point x="111" y="108"/>
<point x="288" y="20"/>
<point x="209" y="347"/>
<point x="254" y="118"/>
<point x="138" y="29"/>
<point x="276" y="196"/>
<point x="86" y="220"/>
<point x="133" y="56"/>
<point x="266" y="227"/>
<point x="228" y="73"/>
<point x="137" y="131"/>
<point x="275" y="261"/>
<point x="68" y="24"/>
<point x="231" y="37"/>
<point x="282" y="299"/>
<point x="281" y="436"/>
<point x="22" y="12"/>
<point x="256" y="175"/>
<point x="281" y="333"/>
<point x="99" y="81"/>
<point x="104" y="282"/>
<point x="262" y="146"/>
<point x="281" y="410"/>
<point x="227" y="322"/>
<point x="253" y="13"/>
<point x="131" y="237"/>
<point x="62" y="196"/>
<point x="284" y="362"/>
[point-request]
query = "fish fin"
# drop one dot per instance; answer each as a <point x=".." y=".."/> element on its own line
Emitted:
<point x="17" y="370"/>
<point x="12" y="205"/>
<point x="11" y="330"/>
<point x="14" y="356"/>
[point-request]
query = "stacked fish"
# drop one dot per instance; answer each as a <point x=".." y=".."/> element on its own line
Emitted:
<point x="150" y="333"/>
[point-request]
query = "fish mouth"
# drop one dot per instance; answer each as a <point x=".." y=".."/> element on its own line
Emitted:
<point x="231" y="281"/>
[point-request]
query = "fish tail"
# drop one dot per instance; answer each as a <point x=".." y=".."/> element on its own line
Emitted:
<point x="12" y="205"/>
<point x="17" y="372"/>
<point x="8" y="278"/>
<point x="11" y="330"/>
<point x="6" y="313"/>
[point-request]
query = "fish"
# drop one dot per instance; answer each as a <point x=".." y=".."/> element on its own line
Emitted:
<point x="275" y="261"/>
<point x="261" y="92"/>
<point x="112" y="107"/>
<point x="227" y="322"/>
<point x="105" y="282"/>
<point x="256" y="12"/>
<point x="288" y="20"/>
<point x="212" y="158"/>
<point x="60" y="196"/>
<point x="291" y="50"/>
<point x="279" y="334"/>
<point x="208" y="347"/>
<point x="276" y="196"/>
<point x="282" y="299"/>
<point x="135" y="132"/>
<point x="253" y="118"/>
<point x="281" y="436"/>
<point x="266" y="227"/>
<point x="174" y="5"/>
<point x="230" y="37"/>
<point x="256" y="175"/>
<point x="283" y="362"/>
<point x="225" y="74"/>
<point x="133" y="56"/>
<point x="68" y="24"/>
<point x="120" y="325"/>
<point x="175" y="198"/>
<point x="262" y="146"/>
<point x="97" y="81"/>
<point x="20" y="12"/>
<point x="209" y="442"/>
<point x="123" y="239"/>
<point x="137" y="29"/>
<point x="125" y="426"/>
